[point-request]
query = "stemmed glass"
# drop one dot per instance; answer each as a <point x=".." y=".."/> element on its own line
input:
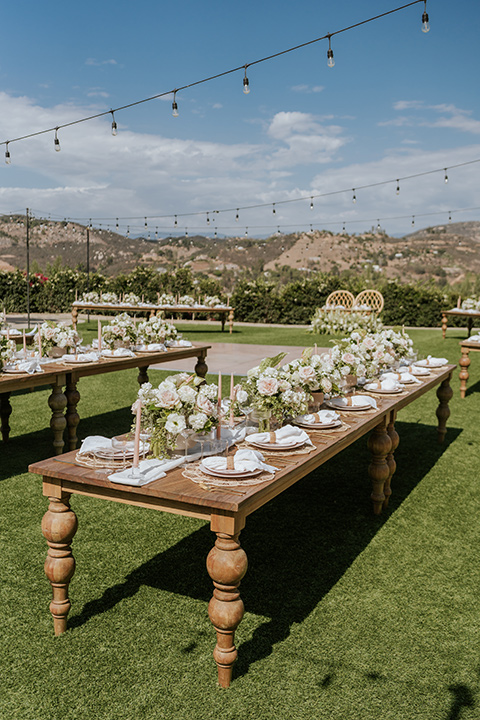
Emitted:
<point x="121" y="443"/>
<point x="186" y="433"/>
<point x="202" y="438"/>
<point x="247" y="411"/>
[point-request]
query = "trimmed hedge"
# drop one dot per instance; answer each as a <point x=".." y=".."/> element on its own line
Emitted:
<point x="259" y="300"/>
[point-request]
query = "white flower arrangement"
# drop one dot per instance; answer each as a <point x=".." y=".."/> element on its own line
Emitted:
<point x="338" y="322"/>
<point x="109" y="298"/>
<point x="57" y="334"/>
<point x="131" y="299"/>
<point x="157" y="330"/>
<point x="471" y="303"/>
<point x="120" y="330"/>
<point x="368" y="354"/>
<point x="7" y="350"/>
<point x="314" y="373"/>
<point x="166" y="299"/>
<point x="90" y="297"/>
<point x="212" y="301"/>
<point x="186" y="300"/>
<point x="179" y="402"/>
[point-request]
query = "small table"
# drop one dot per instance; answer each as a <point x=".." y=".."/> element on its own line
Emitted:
<point x="464" y="362"/>
<point x="458" y="312"/>
<point x="226" y="512"/>
<point x="59" y="375"/>
<point x="223" y="310"/>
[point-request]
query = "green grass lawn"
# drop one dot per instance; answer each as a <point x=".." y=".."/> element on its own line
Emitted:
<point x="348" y="616"/>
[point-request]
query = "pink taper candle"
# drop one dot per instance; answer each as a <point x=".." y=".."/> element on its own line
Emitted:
<point x="99" y="336"/>
<point x="232" y="399"/>
<point x="136" y="444"/>
<point x="219" y="403"/>
<point x="24" y="344"/>
<point x="316" y="351"/>
<point x="39" y="339"/>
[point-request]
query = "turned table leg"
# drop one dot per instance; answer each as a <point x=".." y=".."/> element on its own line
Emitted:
<point x="74" y="317"/>
<point x="5" y="412"/>
<point x="57" y="402"/>
<point x="201" y="367"/>
<point x="226" y="565"/>
<point x="444" y="325"/>
<point x="142" y="376"/>
<point x="444" y="394"/>
<point x="72" y="417"/>
<point x="59" y="526"/>
<point x="392" y="465"/>
<point x="380" y="445"/>
<point x="464" y="362"/>
<point x="230" y="321"/>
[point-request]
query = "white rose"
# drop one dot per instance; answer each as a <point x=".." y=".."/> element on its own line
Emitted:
<point x="267" y="385"/>
<point x="242" y="396"/>
<point x="187" y="394"/>
<point x="307" y="373"/>
<point x="204" y="404"/>
<point x="198" y="421"/>
<point x="165" y="397"/>
<point x="175" y="423"/>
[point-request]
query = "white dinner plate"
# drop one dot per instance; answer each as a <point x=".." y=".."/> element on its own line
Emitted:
<point x="318" y="426"/>
<point x="379" y="391"/>
<point x="337" y="406"/>
<point x="225" y="473"/>
<point x="276" y="446"/>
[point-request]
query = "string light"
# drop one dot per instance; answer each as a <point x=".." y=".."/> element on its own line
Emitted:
<point x="311" y="203"/>
<point x="397" y="191"/>
<point x="425" y="23"/>
<point x="278" y="230"/>
<point x="246" y="84"/>
<point x="186" y="232"/>
<point x="449" y="216"/>
<point x="176" y="222"/>
<point x="114" y="124"/>
<point x="378" y="226"/>
<point x="330" y="60"/>
<point x="354" y="198"/>
<point x="273" y="209"/>
<point x="116" y="223"/>
<point x="8" y="159"/>
<point x="343" y="229"/>
<point x="208" y="219"/>
<point x="413" y="220"/>
<point x="246" y="232"/>
<point x="156" y="233"/>
<point x="174" y="104"/>
<point x="128" y="230"/>
<point x="230" y="71"/>
<point x="56" y="141"/>
<point x="445" y="179"/>
<point x="215" y="233"/>
<point x="237" y="216"/>
<point x="146" y="224"/>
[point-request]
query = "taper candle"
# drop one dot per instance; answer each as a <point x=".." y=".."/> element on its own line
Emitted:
<point x="136" y="444"/>
<point x="24" y="344"/>
<point x="39" y="340"/>
<point x="232" y="399"/>
<point x="219" y="403"/>
<point x="99" y="336"/>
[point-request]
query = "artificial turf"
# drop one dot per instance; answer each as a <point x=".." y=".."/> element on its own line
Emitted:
<point x="348" y="615"/>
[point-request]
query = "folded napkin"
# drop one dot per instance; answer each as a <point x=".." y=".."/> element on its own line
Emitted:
<point x="475" y="338"/>
<point x="414" y="370"/>
<point x="80" y="358"/>
<point x="432" y="362"/>
<point x="11" y="332"/>
<point x="403" y="377"/>
<point x="323" y="417"/>
<point x="389" y="385"/>
<point x="179" y="343"/>
<point x="245" y="460"/>
<point x="284" y="436"/>
<point x="354" y="400"/>
<point x="30" y="366"/>
<point x="152" y="347"/>
<point x="148" y="471"/>
<point x="95" y="442"/>
<point x="118" y="352"/>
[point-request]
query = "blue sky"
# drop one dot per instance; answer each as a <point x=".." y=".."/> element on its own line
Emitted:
<point x="398" y="102"/>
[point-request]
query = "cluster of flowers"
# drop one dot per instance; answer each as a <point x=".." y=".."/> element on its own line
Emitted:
<point x="57" y="334"/>
<point x="156" y="330"/>
<point x="211" y="301"/>
<point x="120" y="330"/>
<point x="471" y="303"/>
<point x="368" y="354"/>
<point x="7" y="350"/>
<point x="315" y="373"/>
<point x="337" y="322"/>
<point x="131" y="299"/>
<point x="181" y="402"/>
<point x="166" y="299"/>
<point x="186" y="300"/>
<point x="90" y="297"/>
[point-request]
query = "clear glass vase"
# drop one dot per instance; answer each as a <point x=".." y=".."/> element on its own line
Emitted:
<point x="261" y="418"/>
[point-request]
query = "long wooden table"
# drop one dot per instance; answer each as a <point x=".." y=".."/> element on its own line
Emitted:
<point x="225" y="312"/>
<point x="63" y="402"/>
<point x="458" y="312"/>
<point x="225" y="511"/>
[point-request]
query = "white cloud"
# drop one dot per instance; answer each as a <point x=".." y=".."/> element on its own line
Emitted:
<point x="98" y="63"/>
<point x="308" y="88"/>
<point x="451" y="117"/>
<point x="95" y="92"/>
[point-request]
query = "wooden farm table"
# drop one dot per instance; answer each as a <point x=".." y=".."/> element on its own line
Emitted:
<point x="226" y="312"/>
<point x="60" y="376"/>
<point x="464" y="362"/>
<point x="225" y="511"/>
<point x="458" y="312"/>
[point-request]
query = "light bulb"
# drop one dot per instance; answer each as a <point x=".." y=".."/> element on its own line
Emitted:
<point x="208" y="219"/>
<point x="8" y="159"/>
<point x="450" y="216"/>
<point x="445" y="179"/>
<point x="174" y="109"/>
<point x="186" y="232"/>
<point x="398" y="188"/>
<point x="330" y="60"/>
<point x="343" y="227"/>
<point x="128" y="231"/>
<point x="413" y="220"/>
<point x="246" y="84"/>
<point x="215" y="234"/>
<point x="354" y="198"/>
<point x="311" y="203"/>
<point x="146" y="225"/>
<point x="278" y="231"/>
<point x="116" y="224"/>
<point x="273" y="209"/>
<point x="246" y="232"/>
<point x="237" y="216"/>
<point x="378" y="226"/>
<point x="425" y="23"/>
<point x="56" y="141"/>
<point x="175" y="223"/>
<point x="114" y="124"/>
<point x="156" y="233"/>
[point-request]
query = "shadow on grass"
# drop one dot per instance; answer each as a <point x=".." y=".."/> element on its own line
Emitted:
<point x="299" y="545"/>
<point x="472" y="389"/>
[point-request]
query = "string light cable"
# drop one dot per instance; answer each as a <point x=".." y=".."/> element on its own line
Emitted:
<point x="244" y="66"/>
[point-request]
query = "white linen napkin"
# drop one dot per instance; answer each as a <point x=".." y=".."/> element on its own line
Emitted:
<point x="179" y="343"/>
<point x="80" y="358"/>
<point x="152" y="347"/>
<point x="95" y="442"/>
<point x="475" y="338"/>
<point x="346" y="402"/>
<point x="403" y="377"/>
<point x="118" y="352"/>
<point x="30" y="366"/>
<point x="149" y="470"/>
<point x="415" y="370"/>
<point x="283" y="436"/>
<point x="323" y="417"/>
<point x="388" y="385"/>
<point x="432" y="362"/>
<point x="245" y="460"/>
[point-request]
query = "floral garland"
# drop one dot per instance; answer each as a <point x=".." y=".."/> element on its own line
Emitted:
<point x="120" y="329"/>
<point x="180" y="401"/>
<point x="336" y="322"/>
<point x="57" y="334"/>
<point x="157" y="330"/>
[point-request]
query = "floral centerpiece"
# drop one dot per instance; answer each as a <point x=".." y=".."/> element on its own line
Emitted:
<point x="157" y="330"/>
<point x="7" y="350"/>
<point x="90" y="297"/>
<point x="338" y="322"/>
<point x="273" y="391"/>
<point x="166" y="299"/>
<point x="186" y="300"/>
<point x="368" y="354"/>
<point x="57" y="335"/>
<point x="398" y="341"/>
<point x="314" y="373"/>
<point x="110" y="298"/>
<point x="180" y="402"/>
<point x="131" y="299"/>
<point x="120" y="332"/>
<point x="470" y="303"/>
<point x="211" y="301"/>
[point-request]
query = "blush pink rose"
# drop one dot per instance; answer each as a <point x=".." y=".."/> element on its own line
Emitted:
<point x="204" y="404"/>
<point x="307" y="373"/>
<point x="267" y="386"/>
<point x="348" y="358"/>
<point x="166" y="398"/>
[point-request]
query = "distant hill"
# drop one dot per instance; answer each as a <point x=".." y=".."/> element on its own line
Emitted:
<point x="444" y="251"/>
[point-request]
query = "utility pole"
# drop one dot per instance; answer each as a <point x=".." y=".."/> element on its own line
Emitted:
<point x="28" y="273"/>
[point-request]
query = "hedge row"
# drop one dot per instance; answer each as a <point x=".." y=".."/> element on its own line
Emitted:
<point x="254" y="301"/>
